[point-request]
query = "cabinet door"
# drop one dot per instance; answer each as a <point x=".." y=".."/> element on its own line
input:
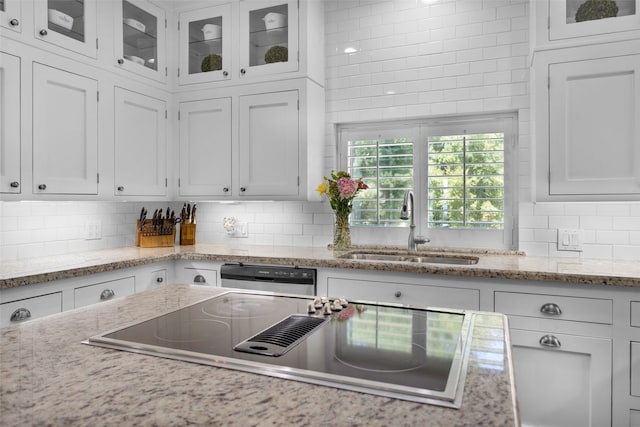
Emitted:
<point x="567" y="21"/>
<point x="205" y="147"/>
<point x="268" y="162"/>
<point x="65" y="132"/>
<point x="140" y="145"/>
<point x="594" y="107"/>
<point x="9" y="123"/>
<point x="568" y="385"/>
<point x="68" y="24"/>
<point x="10" y="15"/>
<point x="105" y="291"/>
<point x="205" y="45"/>
<point x="140" y="38"/>
<point x="268" y="37"/>
<point x="14" y="312"/>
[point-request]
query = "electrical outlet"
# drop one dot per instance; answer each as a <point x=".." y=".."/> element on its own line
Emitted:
<point x="240" y="230"/>
<point x="569" y="240"/>
<point x="93" y="230"/>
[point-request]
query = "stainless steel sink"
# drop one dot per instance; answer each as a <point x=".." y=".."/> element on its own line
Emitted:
<point x="426" y="259"/>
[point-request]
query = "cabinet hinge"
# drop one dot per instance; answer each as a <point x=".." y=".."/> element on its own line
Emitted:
<point x="548" y="82"/>
<point x="166" y="72"/>
<point x="298" y="102"/>
<point x="178" y="182"/>
<point x="298" y="180"/>
<point x="166" y="114"/>
<point x="178" y="25"/>
<point x="165" y="23"/>
<point x="178" y="115"/>
<point x="96" y="44"/>
<point x="166" y="182"/>
<point x="548" y="22"/>
<point x="178" y="71"/>
<point x="98" y="96"/>
<point x="97" y="178"/>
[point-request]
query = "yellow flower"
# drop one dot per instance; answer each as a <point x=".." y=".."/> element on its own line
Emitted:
<point x="322" y="188"/>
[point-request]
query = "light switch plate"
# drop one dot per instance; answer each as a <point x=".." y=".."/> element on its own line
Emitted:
<point x="569" y="240"/>
<point x="93" y="230"/>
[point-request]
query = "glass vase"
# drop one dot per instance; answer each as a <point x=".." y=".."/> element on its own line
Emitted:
<point x="341" y="232"/>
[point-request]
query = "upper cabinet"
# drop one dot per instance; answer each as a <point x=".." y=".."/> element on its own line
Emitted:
<point x="10" y="15"/>
<point x="268" y="37"/>
<point x="205" y="40"/>
<point x="252" y="40"/>
<point x="9" y="124"/>
<point x="585" y="21"/>
<point x="65" y="132"/>
<point x="140" y="38"/>
<point x="70" y="24"/>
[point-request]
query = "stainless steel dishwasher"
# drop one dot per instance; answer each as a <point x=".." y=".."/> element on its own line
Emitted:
<point x="291" y="280"/>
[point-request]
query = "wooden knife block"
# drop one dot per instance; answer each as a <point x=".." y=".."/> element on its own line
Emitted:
<point x="150" y="238"/>
<point x="187" y="234"/>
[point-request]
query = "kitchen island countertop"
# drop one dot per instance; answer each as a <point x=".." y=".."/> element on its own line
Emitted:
<point x="50" y="378"/>
<point x="492" y="264"/>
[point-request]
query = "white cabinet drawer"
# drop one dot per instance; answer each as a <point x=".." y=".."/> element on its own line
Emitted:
<point x="402" y="293"/>
<point x="198" y="276"/>
<point x="635" y="368"/>
<point x="104" y="291"/>
<point x="30" y="308"/>
<point x="635" y="314"/>
<point x="555" y="307"/>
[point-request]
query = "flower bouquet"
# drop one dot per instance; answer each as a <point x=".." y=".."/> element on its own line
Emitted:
<point x="340" y="189"/>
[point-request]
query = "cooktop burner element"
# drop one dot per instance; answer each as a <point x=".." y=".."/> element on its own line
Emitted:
<point x="394" y="351"/>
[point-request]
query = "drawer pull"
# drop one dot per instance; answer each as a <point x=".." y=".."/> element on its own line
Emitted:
<point x="160" y="279"/>
<point x="20" y="315"/>
<point x="551" y="309"/>
<point x="398" y="294"/>
<point x="550" y="341"/>
<point x="107" y="294"/>
<point x="199" y="279"/>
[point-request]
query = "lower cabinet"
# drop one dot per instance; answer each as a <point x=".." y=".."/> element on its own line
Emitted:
<point x="104" y="291"/>
<point x="562" y="380"/>
<point x="22" y="310"/>
<point x="204" y="273"/>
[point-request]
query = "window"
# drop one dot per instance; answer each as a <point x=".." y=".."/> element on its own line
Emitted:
<point x="460" y="170"/>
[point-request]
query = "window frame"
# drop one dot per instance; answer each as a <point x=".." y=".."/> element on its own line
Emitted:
<point x="419" y="130"/>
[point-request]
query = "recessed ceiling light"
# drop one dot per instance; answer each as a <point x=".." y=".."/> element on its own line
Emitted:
<point x="350" y="50"/>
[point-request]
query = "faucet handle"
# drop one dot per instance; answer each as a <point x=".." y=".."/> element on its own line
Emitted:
<point x="420" y="240"/>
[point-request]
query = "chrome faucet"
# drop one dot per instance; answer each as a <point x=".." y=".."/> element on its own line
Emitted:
<point x="407" y="213"/>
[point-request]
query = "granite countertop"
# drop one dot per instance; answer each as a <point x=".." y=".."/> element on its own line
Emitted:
<point x="492" y="264"/>
<point x="50" y="378"/>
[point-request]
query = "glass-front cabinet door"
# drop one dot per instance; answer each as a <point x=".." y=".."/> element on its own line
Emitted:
<point x="205" y="45"/>
<point x="70" y="24"/>
<point x="140" y="30"/>
<point x="268" y="37"/>
<point x="10" y="15"/>
<point x="580" y="18"/>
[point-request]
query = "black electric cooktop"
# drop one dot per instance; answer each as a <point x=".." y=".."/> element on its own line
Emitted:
<point x="402" y="352"/>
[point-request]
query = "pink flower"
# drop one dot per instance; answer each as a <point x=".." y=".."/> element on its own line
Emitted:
<point x="347" y="188"/>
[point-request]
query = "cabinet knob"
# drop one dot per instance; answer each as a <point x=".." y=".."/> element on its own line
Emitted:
<point x="14" y="184"/>
<point x="225" y="190"/>
<point x="43" y="32"/>
<point x="551" y="309"/>
<point x="160" y="279"/>
<point x="20" y="315"/>
<point x="225" y="73"/>
<point x="14" y="22"/>
<point x="398" y="294"/>
<point x="199" y="279"/>
<point x="120" y="188"/>
<point x="243" y="71"/>
<point x="42" y="187"/>
<point x="120" y="61"/>
<point x="550" y="341"/>
<point x="243" y="189"/>
<point x="107" y="294"/>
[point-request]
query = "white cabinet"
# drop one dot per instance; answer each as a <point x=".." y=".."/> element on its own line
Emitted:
<point x="71" y="24"/>
<point x="140" y="38"/>
<point x="268" y="37"/>
<point x="205" y="45"/>
<point x="11" y="15"/>
<point x="198" y="273"/>
<point x="559" y="360"/>
<point x="568" y="20"/>
<point x="105" y="291"/>
<point x="10" y="177"/>
<point x="65" y="132"/>
<point x="140" y="144"/>
<point x="205" y="148"/>
<point x="14" y="312"/>
<point x="587" y="109"/>
<point x="268" y="144"/>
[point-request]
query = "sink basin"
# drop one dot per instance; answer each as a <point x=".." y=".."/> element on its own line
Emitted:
<point x="425" y="259"/>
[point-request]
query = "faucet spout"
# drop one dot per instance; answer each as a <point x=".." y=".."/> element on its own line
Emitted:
<point x="407" y="213"/>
